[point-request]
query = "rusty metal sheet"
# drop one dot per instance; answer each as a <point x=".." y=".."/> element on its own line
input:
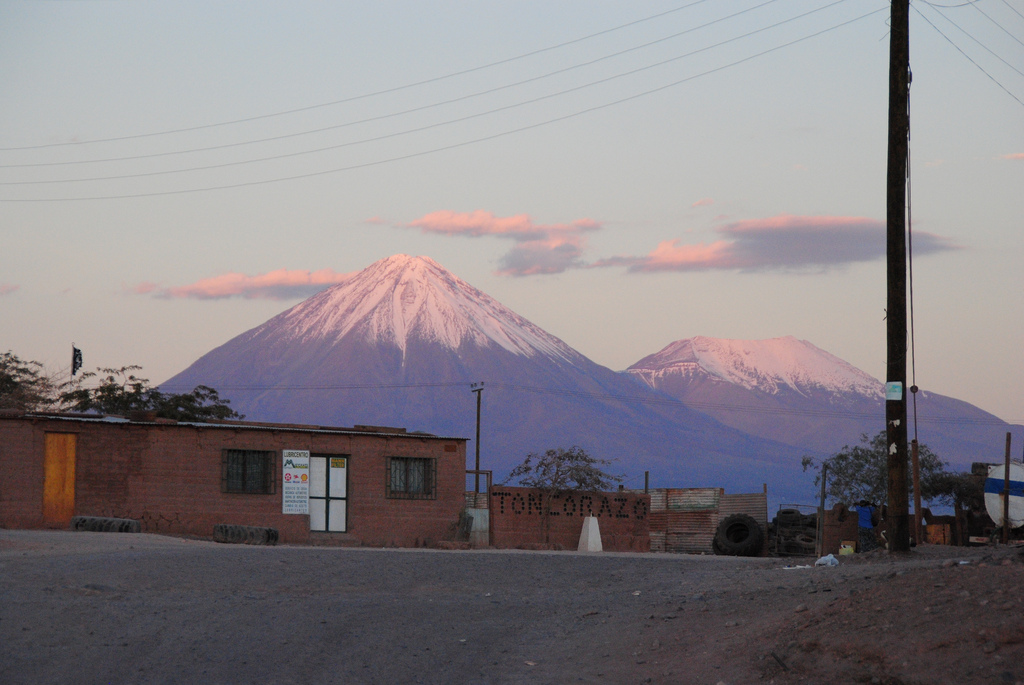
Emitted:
<point x="690" y="532"/>
<point x="693" y="499"/>
<point x="684" y="520"/>
<point x="754" y="505"/>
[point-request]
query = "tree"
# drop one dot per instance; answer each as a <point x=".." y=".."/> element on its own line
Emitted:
<point x="862" y="472"/>
<point x="563" y="470"/>
<point x="24" y="385"/>
<point x="202" y="404"/>
<point x="559" y="471"/>
<point x="962" y="490"/>
<point x="120" y="391"/>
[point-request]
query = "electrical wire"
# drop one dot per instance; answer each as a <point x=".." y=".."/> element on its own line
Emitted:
<point x="364" y="96"/>
<point x="996" y="23"/>
<point x="459" y="144"/>
<point x="974" y="4"/>
<point x="426" y="127"/>
<point x="968" y="57"/>
<point x="663" y="400"/>
<point x="1014" y="9"/>
<point x="982" y="45"/>
<point x="413" y="110"/>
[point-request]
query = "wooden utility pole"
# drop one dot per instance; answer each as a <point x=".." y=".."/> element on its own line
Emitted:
<point x="896" y="256"/>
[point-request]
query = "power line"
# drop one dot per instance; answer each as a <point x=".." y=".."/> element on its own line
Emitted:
<point x="427" y="127"/>
<point x="364" y="96"/>
<point x="351" y="386"/>
<point x="664" y="400"/>
<point x="969" y="58"/>
<point x="996" y="23"/>
<point x="1014" y="9"/>
<point x="459" y="144"/>
<point x="983" y="46"/>
<point x="392" y="115"/>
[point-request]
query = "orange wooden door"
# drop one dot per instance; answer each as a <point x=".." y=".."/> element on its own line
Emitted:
<point x="59" y="478"/>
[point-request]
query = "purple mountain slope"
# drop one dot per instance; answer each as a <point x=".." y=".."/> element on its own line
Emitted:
<point x="790" y="391"/>
<point x="399" y="344"/>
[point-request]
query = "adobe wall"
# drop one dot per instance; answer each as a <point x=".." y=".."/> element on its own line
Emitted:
<point x="21" y="476"/>
<point x="526" y="516"/>
<point x="840" y="524"/>
<point x="169" y="478"/>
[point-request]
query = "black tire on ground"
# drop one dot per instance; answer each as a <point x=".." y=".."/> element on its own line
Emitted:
<point x="797" y="549"/>
<point x="739" y="535"/>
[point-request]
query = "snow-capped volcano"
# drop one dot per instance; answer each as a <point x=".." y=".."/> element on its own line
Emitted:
<point x="399" y="344"/>
<point x="790" y="391"/>
<point x="404" y="297"/>
<point x="767" y="366"/>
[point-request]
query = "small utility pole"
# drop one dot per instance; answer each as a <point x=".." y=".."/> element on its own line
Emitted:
<point x="1006" y="492"/>
<point x="478" y="388"/>
<point x="819" y="533"/>
<point x="915" y="464"/>
<point x="896" y="272"/>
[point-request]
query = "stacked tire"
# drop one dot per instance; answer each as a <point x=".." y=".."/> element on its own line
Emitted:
<point x="738" y="535"/>
<point x="245" y="535"/>
<point x="796" y="533"/>
<point x="105" y="524"/>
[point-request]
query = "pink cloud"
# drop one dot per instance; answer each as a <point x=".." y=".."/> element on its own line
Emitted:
<point x="1016" y="156"/>
<point x="480" y="223"/>
<point x="7" y="288"/>
<point x="670" y="255"/>
<point x="143" y="288"/>
<point x="551" y="255"/>
<point x="706" y="202"/>
<point x="783" y="242"/>
<point x="281" y="284"/>
<point x="375" y="221"/>
<point x="539" y="248"/>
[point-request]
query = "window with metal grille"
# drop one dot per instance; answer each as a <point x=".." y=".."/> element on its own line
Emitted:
<point x="411" y="478"/>
<point x="247" y="471"/>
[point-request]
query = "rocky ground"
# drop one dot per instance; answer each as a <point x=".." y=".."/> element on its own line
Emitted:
<point x="124" y="608"/>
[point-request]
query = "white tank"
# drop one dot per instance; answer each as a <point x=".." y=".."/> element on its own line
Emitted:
<point x="994" y="489"/>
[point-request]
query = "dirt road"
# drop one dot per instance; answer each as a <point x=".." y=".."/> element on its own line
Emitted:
<point x="122" y="608"/>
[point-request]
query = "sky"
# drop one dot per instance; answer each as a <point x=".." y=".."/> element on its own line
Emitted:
<point x="623" y="175"/>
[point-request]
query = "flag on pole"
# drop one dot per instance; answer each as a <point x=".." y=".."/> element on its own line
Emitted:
<point x="76" y="359"/>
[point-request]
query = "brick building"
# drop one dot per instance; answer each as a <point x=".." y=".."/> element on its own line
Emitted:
<point x="528" y="516"/>
<point x="363" y="485"/>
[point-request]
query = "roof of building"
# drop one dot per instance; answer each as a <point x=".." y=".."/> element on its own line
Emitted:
<point x="150" y="419"/>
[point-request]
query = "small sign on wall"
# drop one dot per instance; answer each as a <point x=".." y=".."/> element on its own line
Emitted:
<point x="295" y="482"/>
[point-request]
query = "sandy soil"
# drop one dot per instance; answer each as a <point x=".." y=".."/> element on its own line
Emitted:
<point x="122" y="608"/>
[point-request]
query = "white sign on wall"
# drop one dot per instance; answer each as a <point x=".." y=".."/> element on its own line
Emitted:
<point x="295" y="482"/>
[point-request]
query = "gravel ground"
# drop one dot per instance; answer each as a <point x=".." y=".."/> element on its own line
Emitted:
<point x="123" y="608"/>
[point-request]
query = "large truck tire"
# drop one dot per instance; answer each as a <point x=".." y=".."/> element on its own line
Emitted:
<point x="738" y="535"/>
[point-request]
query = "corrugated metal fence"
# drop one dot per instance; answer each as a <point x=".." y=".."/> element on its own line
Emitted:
<point x="684" y="520"/>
